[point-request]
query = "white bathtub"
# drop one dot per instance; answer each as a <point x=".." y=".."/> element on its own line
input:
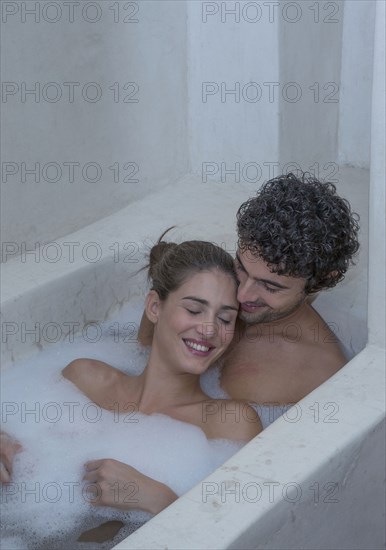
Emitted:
<point x="314" y="479"/>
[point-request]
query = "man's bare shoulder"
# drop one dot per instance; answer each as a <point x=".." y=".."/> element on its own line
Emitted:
<point x="283" y="362"/>
<point x="321" y="346"/>
<point x="308" y="337"/>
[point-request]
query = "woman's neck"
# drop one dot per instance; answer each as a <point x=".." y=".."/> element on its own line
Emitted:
<point x="161" y="389"/>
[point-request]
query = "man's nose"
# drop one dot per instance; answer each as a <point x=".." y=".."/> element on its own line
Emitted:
<point x="246" y="292"/>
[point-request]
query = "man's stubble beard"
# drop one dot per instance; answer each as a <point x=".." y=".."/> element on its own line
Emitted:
<point x="269" y="315"/>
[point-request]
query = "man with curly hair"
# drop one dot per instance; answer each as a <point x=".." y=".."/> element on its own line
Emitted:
<point x="296" y="237"/>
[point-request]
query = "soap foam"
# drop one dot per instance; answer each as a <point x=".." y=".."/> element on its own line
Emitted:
<point x="47" y="504"/>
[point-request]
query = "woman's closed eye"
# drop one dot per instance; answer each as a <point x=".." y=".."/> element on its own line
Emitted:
<point x="197" y="312"/>
<point x="225" y="321"/>
<point x="193" y="311"/>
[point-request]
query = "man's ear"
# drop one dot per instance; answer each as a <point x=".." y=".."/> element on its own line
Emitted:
<point x="152" y="306"/>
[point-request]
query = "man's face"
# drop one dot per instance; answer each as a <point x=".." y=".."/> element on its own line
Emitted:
<point x="265" y="296"/>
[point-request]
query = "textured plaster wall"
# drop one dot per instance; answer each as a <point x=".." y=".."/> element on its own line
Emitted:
<point x="356" y="83"/>
<point x="134" y="135"/>
<point x="310" y="57"/>
<point x="233" y="55"/>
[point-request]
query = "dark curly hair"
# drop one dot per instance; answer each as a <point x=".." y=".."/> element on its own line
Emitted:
<point x="301" y="228"/>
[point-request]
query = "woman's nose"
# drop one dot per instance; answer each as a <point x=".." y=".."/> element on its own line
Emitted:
<point x="207" y="329"/>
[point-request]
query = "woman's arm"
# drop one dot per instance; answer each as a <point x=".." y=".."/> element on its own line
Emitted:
<point x="114" y="483"/>
<point x="118" y="485"/>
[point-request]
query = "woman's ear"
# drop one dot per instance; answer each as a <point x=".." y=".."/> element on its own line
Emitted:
<point x="152" y="306"/>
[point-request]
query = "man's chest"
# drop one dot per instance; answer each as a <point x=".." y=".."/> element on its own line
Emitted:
<point x="262" y="371"/>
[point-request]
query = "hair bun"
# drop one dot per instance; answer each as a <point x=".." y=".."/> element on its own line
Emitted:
<point x="157" y="252"/>
<point x="171" y="264"/>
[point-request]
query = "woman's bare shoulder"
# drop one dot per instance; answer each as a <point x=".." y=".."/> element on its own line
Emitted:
<point x="81" y="368"/>
<point x="230" y="419"/>
<point x="96" y="379"/>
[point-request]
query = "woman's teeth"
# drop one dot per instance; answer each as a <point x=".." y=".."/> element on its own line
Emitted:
<point x="197" y="347"/>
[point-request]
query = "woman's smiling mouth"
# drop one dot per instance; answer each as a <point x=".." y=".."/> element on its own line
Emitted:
<point x="198" y="348"/>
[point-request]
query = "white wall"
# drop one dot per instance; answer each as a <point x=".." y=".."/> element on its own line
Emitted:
<point x="328" y="52"/>
<point x="150" y="133"/>
<point x="310" y="56"/>
<point x="232" y="48"/>
<point x="377" y="244"/>
<point x="356" y="83"/>
<point x="186" y="58"/>
<point x="312" y="62"/>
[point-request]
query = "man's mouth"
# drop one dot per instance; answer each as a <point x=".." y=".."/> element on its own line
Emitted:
<point x="198" y="348"/>
<point x="252" y="307"/>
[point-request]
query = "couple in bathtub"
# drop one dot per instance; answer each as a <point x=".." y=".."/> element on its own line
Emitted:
<point x="296" y="237"/>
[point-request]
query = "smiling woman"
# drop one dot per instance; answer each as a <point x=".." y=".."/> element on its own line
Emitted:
<point x="192" y="306"/>
<point x="196" y="323"/>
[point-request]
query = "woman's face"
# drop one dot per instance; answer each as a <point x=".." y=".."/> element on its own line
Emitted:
<point x="195" y="324"/>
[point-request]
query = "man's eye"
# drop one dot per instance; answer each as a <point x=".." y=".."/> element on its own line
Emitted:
<point x="192" y="311"/>
<point x="272" y="290"/>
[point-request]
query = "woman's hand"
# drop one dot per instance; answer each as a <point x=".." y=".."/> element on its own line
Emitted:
<point x="116" y="484"/>
<point x="8" y="448"/>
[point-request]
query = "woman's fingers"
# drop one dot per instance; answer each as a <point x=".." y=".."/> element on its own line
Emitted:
<point x="8" y="444"/>
<point x="113" y="483"/>
<point x="90" y="476"/>
<point x="93" y="464"/>
<point x="17" y="447"/>
<point x="5" y="473"/>
<point x="9" y="447"/>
